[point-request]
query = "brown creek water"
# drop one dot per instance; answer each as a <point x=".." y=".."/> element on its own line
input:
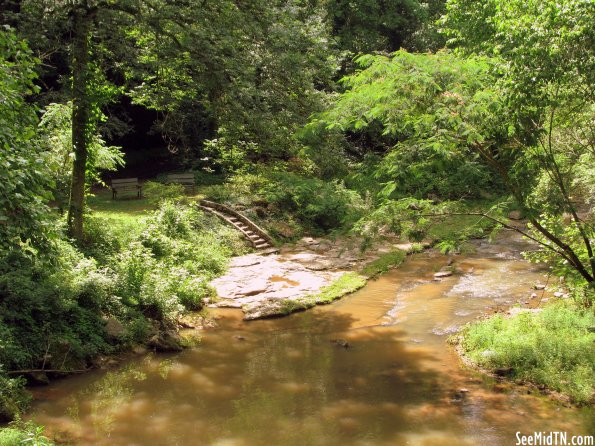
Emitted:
<point x="288" y="382"/>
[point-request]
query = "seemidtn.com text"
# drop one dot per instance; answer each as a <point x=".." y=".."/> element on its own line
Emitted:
<point x="553" y="439"/>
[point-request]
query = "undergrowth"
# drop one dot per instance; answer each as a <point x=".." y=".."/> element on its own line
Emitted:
<point x="553" y="348"/>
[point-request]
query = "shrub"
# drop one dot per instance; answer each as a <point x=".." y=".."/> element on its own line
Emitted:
<point x="158" y="192"/>
<point x="100" y="240"/>
<point x="166" y="271"/>
<point x="13" y="398"/>
<point x="552" y="348"/>
<point x="50" y="306"/>
<point x="11" y="437"/>
<point x="316" y="204"/>
<point x="21" y="433"/>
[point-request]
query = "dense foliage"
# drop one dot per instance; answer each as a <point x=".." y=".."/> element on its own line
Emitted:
<point x="24" y="188"/>
<point x="54" y="309"/>
<point x="292" y="202"/>
<point x="310" y="117"/>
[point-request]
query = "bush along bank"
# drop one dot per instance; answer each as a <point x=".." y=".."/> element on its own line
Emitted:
<point x="552" y="349"/>
<point x="61" y="310"/>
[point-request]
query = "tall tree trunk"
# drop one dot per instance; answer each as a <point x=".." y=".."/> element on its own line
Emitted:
<point x="80" y="120"/>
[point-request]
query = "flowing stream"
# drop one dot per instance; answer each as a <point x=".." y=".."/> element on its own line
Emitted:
<point x="371" y="369"/>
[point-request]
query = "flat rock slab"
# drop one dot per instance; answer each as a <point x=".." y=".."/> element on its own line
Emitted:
<point x="260" y="284"/>
<point x="276" y="284"/>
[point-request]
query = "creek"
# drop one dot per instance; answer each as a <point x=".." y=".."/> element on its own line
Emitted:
<point x="371" y="369"/>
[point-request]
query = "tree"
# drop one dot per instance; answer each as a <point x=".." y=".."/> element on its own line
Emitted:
<point x="459" y="106"/>
<point x="546" y="57"/>
<point x="93" y="33"/>
<point x="25" y="221"/>
<point x="55" y="136"/>
<point x="364" y="26"/>
<point x="240" y="74"/>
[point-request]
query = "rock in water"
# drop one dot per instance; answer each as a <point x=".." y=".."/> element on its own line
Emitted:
<point x="441" y="274"/>
<point x="341" y="343"/>
<point x="166" y="341"/>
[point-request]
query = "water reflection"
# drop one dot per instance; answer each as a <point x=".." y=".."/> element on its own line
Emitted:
<point x="287" y="382"/>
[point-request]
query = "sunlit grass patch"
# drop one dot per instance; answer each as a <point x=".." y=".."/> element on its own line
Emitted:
<point x="554" y="348"/>
<point x="347" y="283"/>
<point x="384" y="263"/>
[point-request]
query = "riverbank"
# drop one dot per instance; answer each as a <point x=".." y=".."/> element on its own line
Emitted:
<point x="513" y="344"/>
<point x="549" y="349"/>
<point x="372" y="365"/>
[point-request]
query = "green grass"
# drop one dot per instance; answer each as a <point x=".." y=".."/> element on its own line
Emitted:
<point x="123" y="214"/>
<point x="119" y="217"/>
<point x="554" y="348"/>
<point x="21" y="433"/>
<point x="126" y="208"/>
<point x="384" y="263"/>
<point x="11" y="437"/>
<point x="347" y="283"/>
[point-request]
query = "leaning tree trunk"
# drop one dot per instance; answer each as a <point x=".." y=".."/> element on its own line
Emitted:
<point x="80" y="121"/>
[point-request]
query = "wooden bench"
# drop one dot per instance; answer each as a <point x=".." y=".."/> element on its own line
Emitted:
<point x="185" y="179"/>
<point x="126" y="185"/>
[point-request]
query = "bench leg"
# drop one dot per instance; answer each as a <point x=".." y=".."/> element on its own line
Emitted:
<point x="114" y="194"/>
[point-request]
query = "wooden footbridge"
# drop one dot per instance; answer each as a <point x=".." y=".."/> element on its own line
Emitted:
<point x="254" y="234"/>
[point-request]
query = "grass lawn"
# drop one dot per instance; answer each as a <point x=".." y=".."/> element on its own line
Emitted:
<point x="125" y="208"/>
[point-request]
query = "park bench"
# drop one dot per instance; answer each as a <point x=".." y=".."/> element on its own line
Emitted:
<point x="185" y="179"/>
<point x="126" y="185"/>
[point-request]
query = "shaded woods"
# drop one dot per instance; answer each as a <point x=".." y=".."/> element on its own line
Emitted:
<point x="371" y="120"/>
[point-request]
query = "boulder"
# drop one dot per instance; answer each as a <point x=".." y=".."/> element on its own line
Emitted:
<point x="263" y="308"/>
<point x="283" y="229"/>
<point x="308" y="241"/>
<point x="322" y="247"/>
<point x="271" y="307"/>
<point x="341" y="343"/>
<point x="504" y="371"/>
<point x="166" y="341"/>
<point x="260" y="212"/>
<point x="515" y="215"/>
<point x="114" y="328"/>
<point x="139" y="350"/>
<point x="317" y="266"/>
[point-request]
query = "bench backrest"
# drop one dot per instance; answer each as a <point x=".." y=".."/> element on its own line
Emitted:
<point x="124" y="183"/>
<point x="181" y="178"/>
